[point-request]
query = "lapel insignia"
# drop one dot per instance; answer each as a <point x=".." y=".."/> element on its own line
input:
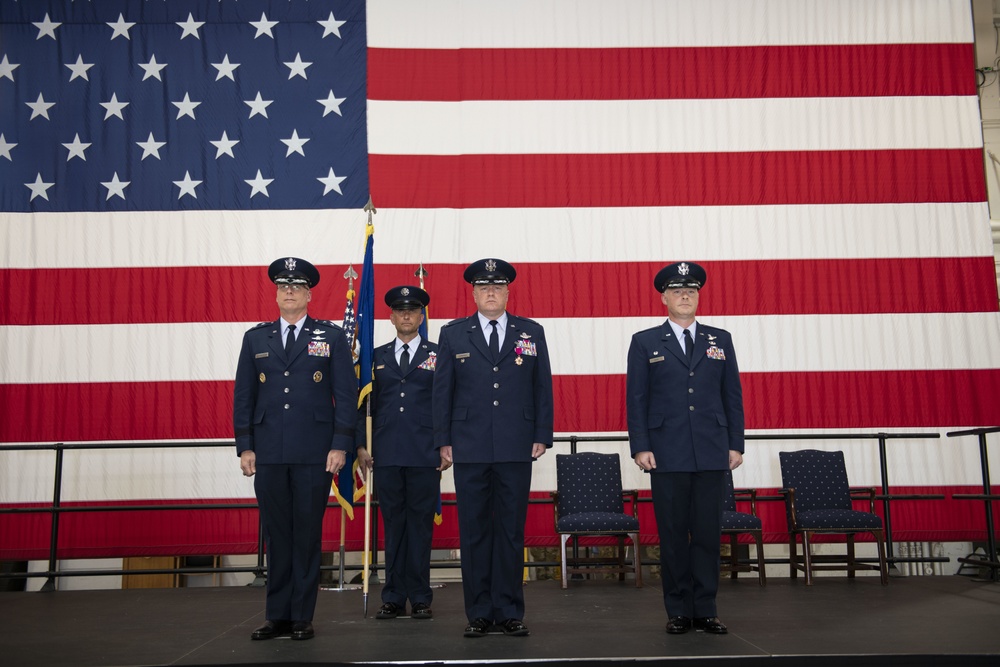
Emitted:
<point x="317" y="377"/>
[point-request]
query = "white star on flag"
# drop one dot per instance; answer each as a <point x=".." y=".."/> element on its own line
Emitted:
<point x="76" y="149"/>
<point x="190" y="27"/>
<point x="152" y="68"/>
<point x="263" y="26"/>
<point x="46" y="27"/>
<point x="297" y="67"/>
<point x="259" y="185"/>
<point x="187" y="186"/>
<point x="332" y="103"/>
<point x="185" y="107"/>
<point x="332" y="182"/>
<point x="40" y="108"/>
<point x="224" y="146"/>
<point x="113" y="107"/>
<point x="294" y="144"/>
<point x="79" y="69"/>
<point x="7" y="68"/>
<point x="39" y="188"/>
<point x="5" y="147"/>
<point x="225" y="68"/>
<point x="115" y="187"/>
<point x="150" y="147"/>
<point x="258" y="106"/>
<point x="331" y="26"/>
<point x="121" y="27"/>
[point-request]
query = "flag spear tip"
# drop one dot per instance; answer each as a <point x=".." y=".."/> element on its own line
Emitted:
<point x="370" y="206"/>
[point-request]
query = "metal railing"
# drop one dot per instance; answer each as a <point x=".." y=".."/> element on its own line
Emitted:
<point x="56" y="509"/>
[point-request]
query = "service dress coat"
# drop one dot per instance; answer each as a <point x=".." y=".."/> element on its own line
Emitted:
<point x="292" y="410"/>
<point x="491" y="412"/>
<point x="407" y="482"/>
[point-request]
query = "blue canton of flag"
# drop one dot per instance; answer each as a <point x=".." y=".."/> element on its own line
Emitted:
<point x="182" y="105"/>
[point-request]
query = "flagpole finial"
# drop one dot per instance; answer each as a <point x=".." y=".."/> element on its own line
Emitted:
<point x="421" y="273"/>
<point x="350" y="275"/>
<point x="370" y="207"/>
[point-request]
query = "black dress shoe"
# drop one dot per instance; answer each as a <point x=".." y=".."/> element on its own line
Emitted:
<point x="421" y="611"/>
<point x="678" y="625"/>
<point x="389" y="610"/>
<point x="477" y="628"/>
<point x="302" y="630"/>
<point x="513" y="627"/>
<point x="271" y="629"/>
<point x="711" y="625"/>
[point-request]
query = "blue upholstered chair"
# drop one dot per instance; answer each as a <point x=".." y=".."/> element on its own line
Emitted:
<point x="734" y="523"/>
<point x="818" y="500"/>
<point x="589" y="502"/>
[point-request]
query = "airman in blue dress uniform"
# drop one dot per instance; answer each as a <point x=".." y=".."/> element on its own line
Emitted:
<point x="294" y="412"/>
<point x="685" y="423"/>
<point x="493" y="415"/>
<point x="408" y="465"/>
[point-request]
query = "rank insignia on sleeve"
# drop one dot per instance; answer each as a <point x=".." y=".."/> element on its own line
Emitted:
<point x="317" y="377"/>
<point x="319" y="349"/>
<point x="261" y="378"/>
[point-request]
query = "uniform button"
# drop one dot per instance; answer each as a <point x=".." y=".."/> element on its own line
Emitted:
<point x="287" y="406"/>
<point x="287" y="373"/>
<point x="496" y="385"/>
<point x="495" y="369"/>
<point x="287" y="390"/>
<point x="401" y="408"/>
<point x="496" y="403"/>
<point x="691" y="374"/>
<point x="402" y="394"/>
<point x="691" y="408"/>
<point x="403" y="381"/>
<point x="690" y="391"/>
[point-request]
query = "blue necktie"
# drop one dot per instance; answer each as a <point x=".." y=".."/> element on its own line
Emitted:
<point x="289" y="340"/>
<point x="494" y="342"/>
<point x="688" y="345"/>
<point x="404" y="359"/>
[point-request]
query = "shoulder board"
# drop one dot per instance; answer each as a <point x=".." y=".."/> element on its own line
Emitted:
<point x="328" y="323"/>
<point x="261" y="325"/>
<point x="656" y="328"/>
<point x="521" y="319"/>
<point x="461" y="319"/>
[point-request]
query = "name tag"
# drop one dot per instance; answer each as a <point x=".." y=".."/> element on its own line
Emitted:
<point x="380" y="367"/>
<point x="653" y="360"/>
<point x="462" y="355"/>
<point x="260" y="355"/>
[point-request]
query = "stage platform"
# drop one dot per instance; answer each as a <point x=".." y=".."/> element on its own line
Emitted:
<point x="944" y="620"/>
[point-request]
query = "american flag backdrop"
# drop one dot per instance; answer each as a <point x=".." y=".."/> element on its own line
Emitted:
<point x="822" y="160"/>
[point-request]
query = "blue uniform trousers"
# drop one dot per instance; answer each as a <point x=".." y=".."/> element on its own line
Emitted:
<point x="407" y="500"/>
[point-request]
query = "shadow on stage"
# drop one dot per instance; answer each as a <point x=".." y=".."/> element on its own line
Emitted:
<point x="941" y="620"/>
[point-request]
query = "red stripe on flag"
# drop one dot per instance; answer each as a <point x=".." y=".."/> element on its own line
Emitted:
<point x="854" y="70"/>
<point x="813" y="286"/>
<point x="810" y="400"/>
<point x="584" y="403"/>
<point x="678" y="179"/>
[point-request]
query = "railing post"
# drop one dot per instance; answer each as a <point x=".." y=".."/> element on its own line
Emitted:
<point x="260" y="574"/>
<point x="50" y="581"/>
<point x="991" y="541"/>
<point x="884" y="473"/>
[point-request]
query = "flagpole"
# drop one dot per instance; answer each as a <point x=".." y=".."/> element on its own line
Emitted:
<point x="349" y="275"/>
<point x="370" y="209"/>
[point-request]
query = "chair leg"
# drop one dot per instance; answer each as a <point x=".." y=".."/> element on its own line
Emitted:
<point x="621" y="558"/>
<point x="565" y="577"/>
<point x="852" y="563"/>
<point x="807" y="557"/>
<point x="733" y="560"/>
<point x="883" y="565"/>
<point x="637" y="560"/>
<point x="793" y="556"/>
<point x="758" y="539"/>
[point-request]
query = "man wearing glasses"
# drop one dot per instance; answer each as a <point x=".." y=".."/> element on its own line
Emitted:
<point x="294" y="409"/>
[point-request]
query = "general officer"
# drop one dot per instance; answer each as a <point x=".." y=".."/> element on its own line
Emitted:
<point x="685" y="426"/>
<point x="492" y="416"/>
<point x="408" y="483"/>
<point x="294" y="410"/>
